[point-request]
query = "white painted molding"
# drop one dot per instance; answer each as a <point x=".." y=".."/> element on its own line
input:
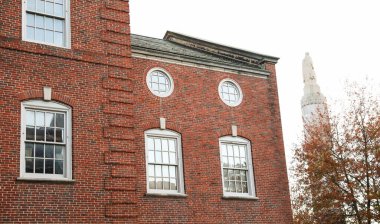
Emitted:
<point x="47" y="93"/>
<point x="234" y="130"/>
<point x="162" y="123"/>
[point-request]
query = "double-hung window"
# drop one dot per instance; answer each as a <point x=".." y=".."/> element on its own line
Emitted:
<point x="237" y="168"/>
<point x="45" y="140"/>
<point x="164" y="162"/>
<point x="47" y="22"/>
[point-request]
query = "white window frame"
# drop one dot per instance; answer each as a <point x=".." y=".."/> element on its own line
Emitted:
<point x="67" y="165"/>
<point x="170" y="80"/>
<point x="239" y="89"/>
<point x="250" y="177"/>
<point x="180" y="183"/>
<point x="66" y="30"/>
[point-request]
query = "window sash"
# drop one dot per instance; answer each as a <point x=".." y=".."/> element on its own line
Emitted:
<point x="174" y="184"/>
<point x="47" y="36"/>
<point x="65" y="161"/>
<point x="237" y="141"/>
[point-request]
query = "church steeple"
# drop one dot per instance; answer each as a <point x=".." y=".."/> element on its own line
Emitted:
<point x="313" y="101"/>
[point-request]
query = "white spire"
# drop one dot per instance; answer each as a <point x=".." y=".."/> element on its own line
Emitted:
<point x="313" y="101"/>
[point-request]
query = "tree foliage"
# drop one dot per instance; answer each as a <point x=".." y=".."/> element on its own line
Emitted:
<point x="337" y="165"/>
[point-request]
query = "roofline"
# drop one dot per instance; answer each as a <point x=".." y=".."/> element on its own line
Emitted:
<point x="178" y="37"/>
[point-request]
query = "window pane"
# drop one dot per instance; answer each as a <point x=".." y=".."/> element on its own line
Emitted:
<point x="165" y="146"/>
<point x="59" y="1"/>
<point x="243" y="163"/>
<point x="159" y="183"/>
<point x="39" y="150"/>
<point x="226" y="185"/>
<point x="40" y="133"/>
<point x="29" y="19"/>
<point x="49" y="36"/>
<point x="224" y="150"/>
<point x="31" y="5"/>
<point x="58" y="167"/>
<point x="30" y="118"/>
<point x="230" y="150"/>
<point x="158" y="157"/>
<point x="50" y="134"/>
<point x="40" y="119"/>
<point x="59" y="135"/>
<point x="39" y="35"/>
<point x="49" y="8"/>
<point x="157" y="144"/>
<point x="29" y="165"/>
<point x="158" y="171"/>
<point x="40" y="5"/>
<point x="58" y="38"/>
<point x="243" y="175"/>
<point x="242" y="151"/>
<point x="231" y="175"/>
<point x="39" y="165"/>
<point x="150" y="144"/>
<point x="173" y="184"/>
<point x="58" y="10"/>
<point x="49" y="163"/>
<point x="166" y="184"/>
<point x="151" y="156"/>
<point x="172" y="172"/>
<point x="231" y="161"/>
<point x="29" y="133"/>
<point x="165" y="157"/>
<point x="172" y="145"/>
<point x="49" y="23"/>
<point x="232" y="186"/>
<point x="151" y="170"/>
<point x="60" y="120"/>
<point x="49" y="151"/>
<point x="152" y="183"/>
<point x="225" y="161"/>
<point x="236" y="151"/>
<point x="244" y="187"/>
<point x="29" y="151"/>
<point x="58" y="25"/>
<point x="40" y="22"/>
<point x="238" y="187"/>
<point x="59" y="150"/>
<point x="165" y="171"/>
<point x="30" y="33"/>
<point x="172" y="158"/>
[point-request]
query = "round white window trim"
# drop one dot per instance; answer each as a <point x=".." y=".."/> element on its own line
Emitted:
<point x="158" y="92"/>
<point x="236" y="85"/>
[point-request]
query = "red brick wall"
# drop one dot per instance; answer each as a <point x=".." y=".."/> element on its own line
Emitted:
<point x="86" y="77"/>
<point x="195" y="111"/>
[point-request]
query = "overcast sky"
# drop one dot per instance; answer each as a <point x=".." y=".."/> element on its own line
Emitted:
<point x="342" y="36"/>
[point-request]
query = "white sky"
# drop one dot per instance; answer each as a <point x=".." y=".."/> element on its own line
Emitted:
<point x="342" y="37"/>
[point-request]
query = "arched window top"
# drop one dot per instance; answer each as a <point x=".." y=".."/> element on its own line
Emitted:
<point x="236" y="139"/>
<point x="166" y="132"/>
<point x="46" y="104"/>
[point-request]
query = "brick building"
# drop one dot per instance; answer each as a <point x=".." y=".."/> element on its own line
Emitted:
<point x="100" y="125"/>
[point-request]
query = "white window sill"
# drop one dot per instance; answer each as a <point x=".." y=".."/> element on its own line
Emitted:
<point x="240" y="197"/>
<point x="179" y="195"/>
<point x="39" y="179"/>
